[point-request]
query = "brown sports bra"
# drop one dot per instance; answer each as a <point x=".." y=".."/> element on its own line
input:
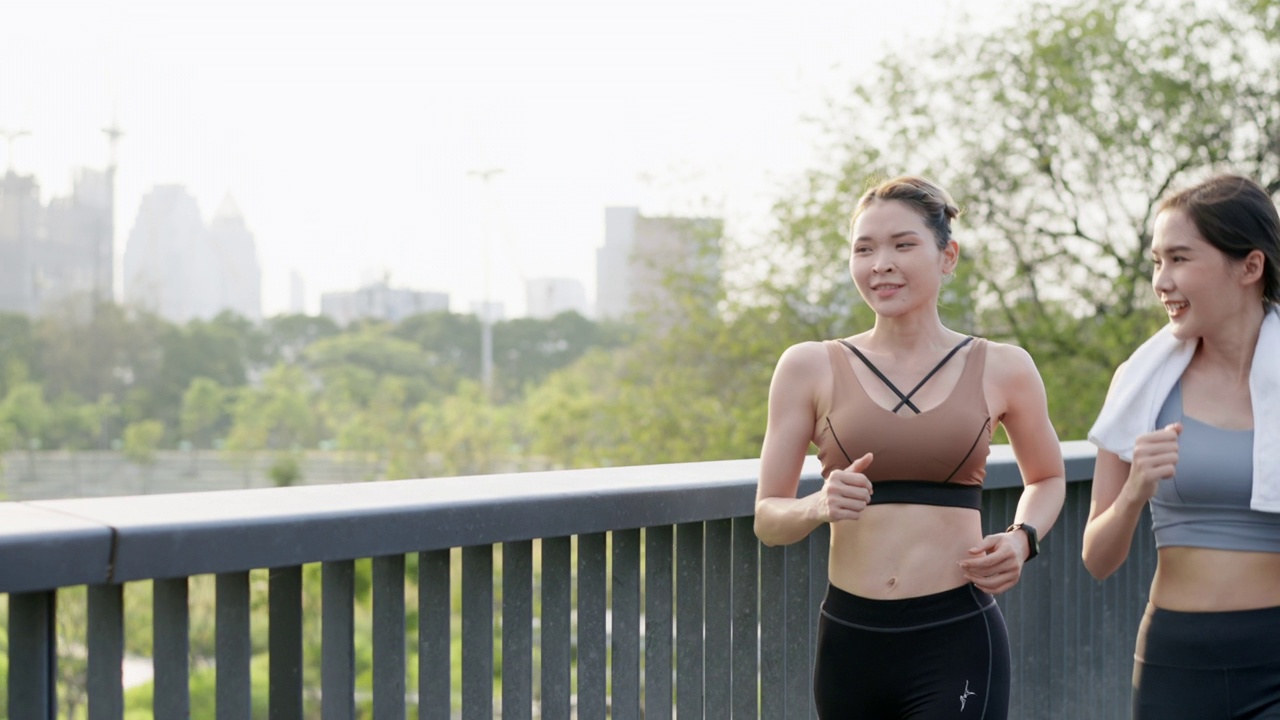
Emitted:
<point x="934" y="457"/>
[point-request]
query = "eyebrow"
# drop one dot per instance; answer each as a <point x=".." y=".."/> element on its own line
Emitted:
<point x="894" y="236"/>
<point x="1173" y="249"/>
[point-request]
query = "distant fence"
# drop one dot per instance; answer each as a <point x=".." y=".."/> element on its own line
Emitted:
<point x="47" y="474"/>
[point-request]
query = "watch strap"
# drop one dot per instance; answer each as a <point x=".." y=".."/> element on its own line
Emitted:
<point x="1033" y="538"/>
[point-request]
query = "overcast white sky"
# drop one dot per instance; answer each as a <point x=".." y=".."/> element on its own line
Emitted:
<point x="348" y="131"/>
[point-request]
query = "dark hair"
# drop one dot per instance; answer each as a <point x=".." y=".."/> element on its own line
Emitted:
<point x="1236" y="216"/>
<point x="930" y="201"/>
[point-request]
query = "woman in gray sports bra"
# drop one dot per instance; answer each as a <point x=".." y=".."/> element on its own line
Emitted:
<point x="1209" y="643"/>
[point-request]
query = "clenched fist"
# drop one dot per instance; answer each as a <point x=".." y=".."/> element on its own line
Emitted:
<point x="845" y="493"/>
<point x="1155" y="456"/>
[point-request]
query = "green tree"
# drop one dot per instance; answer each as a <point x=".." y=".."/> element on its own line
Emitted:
<point x="527" y="350"/>
<point x="467" y="433"/>
<point x="276" y="415"/>
<point x="141" y="442"/>
<point x="452" y="344"/>
<point x="1057" y="134"/>
<point x="18" y="350"/>
<point x="74" y="426"/>
<point x="203" y="407"/>
<point x="223" y="350"/>
<point x="378" y="432"/>
<point x="568" y="417"/>
<point x="113" y="351"/>
<point x="286" y="470"/>
<point x="27" y="415"/>
<point x="371" y="352"/>
<point x="286" y="337"/>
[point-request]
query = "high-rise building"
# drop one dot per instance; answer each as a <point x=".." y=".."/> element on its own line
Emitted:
<point x="380" y="301"/>
<point x="640" y="254"/>
<point x="177" y="268"/>
<point x="297" y="294"/>
<point x="237" y="259"/>
<point x="77" y="257"/>
<point x="548" y="297"/>
<point x="21" y="221"/>
<point x="59" y="253"/>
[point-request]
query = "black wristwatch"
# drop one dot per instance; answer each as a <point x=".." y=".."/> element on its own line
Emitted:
<point x="1033" y="538"/>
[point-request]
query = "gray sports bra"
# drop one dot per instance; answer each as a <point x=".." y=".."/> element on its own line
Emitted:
<point x="1206" y="504"/>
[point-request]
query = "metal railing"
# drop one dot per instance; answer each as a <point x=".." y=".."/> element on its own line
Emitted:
<point x="624" y="592"/>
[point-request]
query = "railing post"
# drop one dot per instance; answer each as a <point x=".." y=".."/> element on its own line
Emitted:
<point x="517" y="630"/>
<point x="746" y="619"/>
<point x="773" y="633"/>
<point x="171" y="630"/>
<point x="388" y="637"/>
<point x="477" y="632"/>
<point x="690" y="644"/>
<point x="717" y="622"/>
<point x="799" y="679"/>
<point x="557" y="595"/>
<point x="106" y="652"/>
<point x="33" y="656"/>
<point x="233" y="649"/>
<point x="624" y="703"/>
<point x="658" y="603"/>
<point x="337" y="641"/>
<point x="284" y="642"/>
<point x="435" y="660"/>
<point x="593" y="655"/>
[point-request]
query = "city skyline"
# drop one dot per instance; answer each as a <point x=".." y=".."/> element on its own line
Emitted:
<point x="356" y="138"/>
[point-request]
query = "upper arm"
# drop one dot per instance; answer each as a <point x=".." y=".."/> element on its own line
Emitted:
<point x="1026" y="414"/>
<point x="793" y="394"/>
<point x="1109" y="470"/>
<point x="1109" y="475"/>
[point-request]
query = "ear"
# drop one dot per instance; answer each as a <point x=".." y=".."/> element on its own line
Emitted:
<point x="1252" y="267"/>
<point x="950" y="257"/>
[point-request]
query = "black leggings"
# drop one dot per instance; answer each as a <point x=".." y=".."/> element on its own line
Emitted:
<point x="937" y="657"/>
<point x="1207" y="665"/>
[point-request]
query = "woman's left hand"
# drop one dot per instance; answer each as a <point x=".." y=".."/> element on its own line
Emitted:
<point x="995" y="565"/>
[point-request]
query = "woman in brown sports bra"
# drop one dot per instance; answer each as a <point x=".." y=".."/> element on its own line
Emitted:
<point x="902" y="416"/>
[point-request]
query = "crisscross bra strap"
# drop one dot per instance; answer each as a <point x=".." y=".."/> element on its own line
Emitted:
<point x="906" y="399"/>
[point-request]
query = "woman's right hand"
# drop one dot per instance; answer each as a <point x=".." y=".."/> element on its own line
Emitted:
<point x="1155" y="457"/>
<point x="845" y="493"/>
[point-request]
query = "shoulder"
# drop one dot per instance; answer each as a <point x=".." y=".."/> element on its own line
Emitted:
<point x="1010" y="365"/>
<point x="1014" y="387"/>
<point x="803" y="371"/>
<point x="1004" y="357"/>
<point x="804" y="357"/>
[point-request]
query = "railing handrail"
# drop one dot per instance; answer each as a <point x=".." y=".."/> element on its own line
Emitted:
<point x="86" y="541"/>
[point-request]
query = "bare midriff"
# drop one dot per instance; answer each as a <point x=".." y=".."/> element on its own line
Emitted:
<point x="1190" y="579"/>
<point x="902" y="550"/>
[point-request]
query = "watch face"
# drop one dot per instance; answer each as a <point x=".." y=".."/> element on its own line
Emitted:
<point x="1033" y="538"/>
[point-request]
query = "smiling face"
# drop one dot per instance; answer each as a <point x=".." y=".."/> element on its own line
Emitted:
<point x="1200" y="287"/>
<point x="895" y="260"/>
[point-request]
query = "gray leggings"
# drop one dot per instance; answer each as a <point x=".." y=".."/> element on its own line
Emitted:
<point x="1208" y="665"/>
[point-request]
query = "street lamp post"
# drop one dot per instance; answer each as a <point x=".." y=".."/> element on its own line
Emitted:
<point x="486" y="322"/>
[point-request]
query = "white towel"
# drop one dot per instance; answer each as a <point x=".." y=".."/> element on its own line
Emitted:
<point x="1134" y="402"/>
